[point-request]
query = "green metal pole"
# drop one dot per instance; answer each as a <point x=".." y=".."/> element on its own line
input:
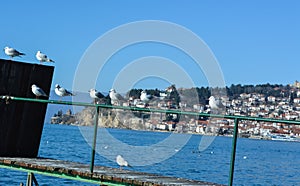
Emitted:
<point x="29" y="179"/>
<point x="94" y="140"/>
<point x="235" y="134"/>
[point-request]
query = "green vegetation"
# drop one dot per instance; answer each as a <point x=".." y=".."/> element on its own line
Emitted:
<point x="232" y="92"/>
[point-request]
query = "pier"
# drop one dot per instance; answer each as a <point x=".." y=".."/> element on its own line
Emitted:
<point x="101" y="175"/>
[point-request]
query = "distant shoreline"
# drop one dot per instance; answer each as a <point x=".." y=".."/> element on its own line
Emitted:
<point x="253" y="137"/>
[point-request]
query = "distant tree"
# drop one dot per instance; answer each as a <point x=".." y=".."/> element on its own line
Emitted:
<point x="236" y="90"/>
<point x="249" y="89"/>
<point x="59" y="113"/>
<point x="134" y="93"/>
<point x="280" y="112"/>
<point x="293" y="95"/>
<point x="229" y="92"/>
<point x="107" y="100"/>
<point x="174" y="96"/>
<point x="154" y="92"/>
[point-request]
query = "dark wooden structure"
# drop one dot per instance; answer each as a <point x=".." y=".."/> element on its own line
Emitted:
<point x="101" y="175"/>
<point x="21" y="123"/>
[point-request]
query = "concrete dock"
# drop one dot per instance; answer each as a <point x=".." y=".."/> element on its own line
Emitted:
<point x="101" y="175"/>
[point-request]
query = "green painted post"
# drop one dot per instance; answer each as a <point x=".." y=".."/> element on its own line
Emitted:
<point x="235" y="134"/>
<point x="94" y="140"/>
<point x="29" y="179"/>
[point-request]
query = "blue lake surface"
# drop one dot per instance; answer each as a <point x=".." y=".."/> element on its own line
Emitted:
<point x="258" y="162"/>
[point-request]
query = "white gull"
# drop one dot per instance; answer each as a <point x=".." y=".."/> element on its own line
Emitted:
<point x="37" y="91"/>
<point x="42" y="57"/>
<point x="12" y="52"/>
<point x="122" y="162"/>
<point x="60" y="91"/>
<point x="115" y="97"/>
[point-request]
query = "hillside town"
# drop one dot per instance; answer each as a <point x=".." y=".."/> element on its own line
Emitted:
<point x="285" y="106"/>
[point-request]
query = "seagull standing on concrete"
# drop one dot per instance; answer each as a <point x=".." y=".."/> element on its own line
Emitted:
<point x="122" y="162"/>
<point x="95" y="94"/>
<point x="43" y="57"/>
<point x="115" y="97"/>
<point x="37" y="91"/>
<point x="60" y="91"/>
<point x="12" y="52"/>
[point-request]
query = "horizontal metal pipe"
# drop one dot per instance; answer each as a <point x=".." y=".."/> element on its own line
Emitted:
<point x="232" y="117"/>
<point x="62" y="175"/>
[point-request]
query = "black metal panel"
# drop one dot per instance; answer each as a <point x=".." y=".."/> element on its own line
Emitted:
<point x="21" y="123"/>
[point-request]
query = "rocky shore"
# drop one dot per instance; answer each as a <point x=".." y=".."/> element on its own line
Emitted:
<point x="109" y="118"/>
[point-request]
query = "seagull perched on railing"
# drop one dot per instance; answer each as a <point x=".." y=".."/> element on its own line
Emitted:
<point x="122" y="162"/>
<point x="215" y="104"/>
<point x="37" y="91"/>
<point x="95" y="94"/>
<point x="115" y="97"/>
<point x="60" y="91"/>
<point x="12" y="52"/>
<point x="43" y="57"/>
<point x="145" y="97"/>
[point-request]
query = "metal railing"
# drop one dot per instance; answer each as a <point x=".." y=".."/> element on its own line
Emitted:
<point x="98" y="106"/>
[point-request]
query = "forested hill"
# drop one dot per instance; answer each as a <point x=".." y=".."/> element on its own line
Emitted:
<point x="232" y="92"/>
<point x="267" y="89"/>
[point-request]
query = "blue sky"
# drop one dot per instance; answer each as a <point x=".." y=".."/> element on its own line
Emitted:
<point x="254" y="42"/>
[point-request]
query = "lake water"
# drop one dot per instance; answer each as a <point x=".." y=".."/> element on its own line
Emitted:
<point x="258" y="162"/>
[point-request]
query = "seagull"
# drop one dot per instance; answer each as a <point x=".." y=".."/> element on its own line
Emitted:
<point x="206" y="140"/>
<point x="95" y="94"/>
<point x="12" y="52"/>
<point x="122" y="162"/>
<point x="145" y="97"/>
<point x="43" y="57"/>
<point x="37" y="91"/>
<point x="115" y="97"/>
<point x="60" y="91"/>
<point x="215" y="104"/>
